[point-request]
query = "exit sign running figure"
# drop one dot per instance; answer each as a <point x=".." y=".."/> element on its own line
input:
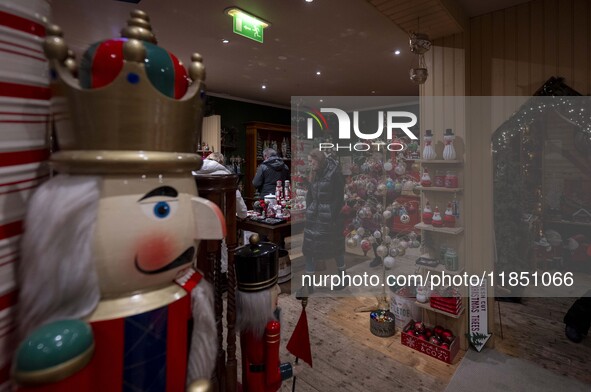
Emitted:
<point x="247" y="25"/>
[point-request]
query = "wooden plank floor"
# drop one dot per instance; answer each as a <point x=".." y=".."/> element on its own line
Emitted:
<point x="533" y="330"/>
<point x="347" y="357"/>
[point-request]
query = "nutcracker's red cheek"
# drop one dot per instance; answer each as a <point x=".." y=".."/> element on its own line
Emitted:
<point x="154" y="252"/>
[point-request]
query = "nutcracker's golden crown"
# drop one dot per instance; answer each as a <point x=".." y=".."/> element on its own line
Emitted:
<point x="131" y="104"/>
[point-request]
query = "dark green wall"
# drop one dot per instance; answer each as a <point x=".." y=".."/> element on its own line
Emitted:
<point x="236" y="113"/>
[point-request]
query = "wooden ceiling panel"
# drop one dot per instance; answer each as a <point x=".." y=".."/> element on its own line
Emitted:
<point x="437" y="18"/>
<point x="411" y="8"/>
<point x="403" y="7"/>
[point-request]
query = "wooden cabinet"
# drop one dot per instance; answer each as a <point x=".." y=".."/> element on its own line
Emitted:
<point x="258" y="136"/>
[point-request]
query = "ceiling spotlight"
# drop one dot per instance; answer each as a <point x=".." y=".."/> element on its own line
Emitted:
<point x="264" y="86"/>
<point x="397" y="52"/>
<point x="225" y="41"/>
<point x="321" y="100"/>
<point x="318" y="73"/>
<point x="309" y="1"/>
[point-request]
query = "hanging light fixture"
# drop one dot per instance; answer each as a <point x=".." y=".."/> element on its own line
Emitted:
<point x="419" y="45"/>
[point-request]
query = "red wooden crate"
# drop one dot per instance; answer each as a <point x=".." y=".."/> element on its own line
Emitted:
<point x="450" y="302"/>
<point x="448" y="309"/>
<point x="430" y="349"/>
<point x="452" y="305"/>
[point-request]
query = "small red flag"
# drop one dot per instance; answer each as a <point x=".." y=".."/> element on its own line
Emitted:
<point x="299" y="343"/>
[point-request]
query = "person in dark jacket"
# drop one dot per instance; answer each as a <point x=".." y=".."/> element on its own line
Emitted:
<point x="578" y="318"/>
<point x="323" y="233"/>
<point x="269" y="172"/>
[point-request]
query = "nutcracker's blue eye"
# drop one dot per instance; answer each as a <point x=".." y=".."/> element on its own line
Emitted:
<point x="165" y="205"/>
<point x="161" y="209"/>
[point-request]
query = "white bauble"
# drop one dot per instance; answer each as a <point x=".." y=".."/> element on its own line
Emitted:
<point x="351" y="242"/>
<point x="388" y="166"/>
<point x="382" y="251"/>
<point x="387" y="239"/>
<point x="377" y="234"/>
<point x="361" y="231"/>
<point x="387" y="214"/>
<point x="389" y="262"/>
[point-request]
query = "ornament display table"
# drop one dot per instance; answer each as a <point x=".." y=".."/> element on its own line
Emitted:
<point x="275" y="233"/>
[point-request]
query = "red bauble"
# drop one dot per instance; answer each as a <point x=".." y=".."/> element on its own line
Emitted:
<point x="438" y="329"/>
<point x="419" y="326"/>
<point x="428" y="333"/>
<point x="422" y="337"/>
<point x="434" y="340"/>
<point x="445" y="345"/>
<point x="447" y="335"/>
<point x="365" y="246"/>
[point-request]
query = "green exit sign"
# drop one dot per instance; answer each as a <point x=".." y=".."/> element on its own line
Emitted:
<point x="247" y="25"/>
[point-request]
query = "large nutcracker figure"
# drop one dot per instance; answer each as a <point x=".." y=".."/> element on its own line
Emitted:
<point x="258" y="317"/>
<point x="109" y="299"/>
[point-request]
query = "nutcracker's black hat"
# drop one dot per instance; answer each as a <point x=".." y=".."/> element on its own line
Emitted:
<point x="257" y="265"/>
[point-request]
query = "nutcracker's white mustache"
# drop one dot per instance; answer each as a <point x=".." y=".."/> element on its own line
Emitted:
<point x="184" y="258"/>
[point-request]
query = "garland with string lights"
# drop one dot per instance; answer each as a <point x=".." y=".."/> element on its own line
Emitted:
<point x="517" y="155"/>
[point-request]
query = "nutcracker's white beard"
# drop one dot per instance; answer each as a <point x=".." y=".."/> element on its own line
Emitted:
<point x="56" y="276"/>
<point x="253" y="311"/>
<point x="202" y="357"/>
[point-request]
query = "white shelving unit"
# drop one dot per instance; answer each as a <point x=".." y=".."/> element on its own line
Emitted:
<point x="438" y="237"/>
<point x="447" y="230"/>
<point x="437" y="161"/>
<point x="439" y="189"/>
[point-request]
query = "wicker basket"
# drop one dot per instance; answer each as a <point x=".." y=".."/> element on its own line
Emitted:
<point x="382" y="323"/>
